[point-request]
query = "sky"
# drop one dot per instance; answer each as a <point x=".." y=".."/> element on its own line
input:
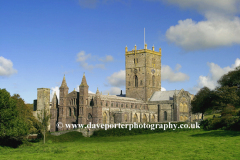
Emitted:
<point x="41" y="40"/>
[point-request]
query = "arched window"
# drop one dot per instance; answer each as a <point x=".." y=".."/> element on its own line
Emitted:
<point x="153" y="80"/>
<point x="153" y="118"/>
<point x="74" y="112"/>
<point x="92" y="102"/>
<point x="144" y="118"/>
<point x="89" y="116"/>
<point x="135" y="118"/>
<point x="104" y="118"/>
<point x="69" y="111"/>
<point x="136" y="81"/>
<point x="125" y="117"/>
<point x="165" y="115"/>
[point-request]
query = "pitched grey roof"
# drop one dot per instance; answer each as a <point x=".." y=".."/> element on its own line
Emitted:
<point x="163" y="95"/>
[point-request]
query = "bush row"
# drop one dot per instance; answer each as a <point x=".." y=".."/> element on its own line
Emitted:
<point x="227" y="122"/>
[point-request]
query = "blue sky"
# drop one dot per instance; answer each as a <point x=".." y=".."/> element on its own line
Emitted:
<point x="41" y="40"/>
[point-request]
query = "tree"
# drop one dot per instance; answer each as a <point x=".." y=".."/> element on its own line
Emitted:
<point x="226" y="95"/>
<point x="202" y="101"/>
<point x="44" y="118"/>
<point x="12" y="125"/>
<point x="25" y="111"/>
<point x="231" y="79"/>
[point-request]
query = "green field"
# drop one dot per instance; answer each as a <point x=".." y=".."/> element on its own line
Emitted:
<point x="192" y="144"/>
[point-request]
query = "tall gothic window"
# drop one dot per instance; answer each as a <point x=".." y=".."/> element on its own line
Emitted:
<point x="165" y="115"/>
<point x="153" y="80"/>
<point x="136" y="81"/>
<point x="69" y="111"/>
<point x="75" y="112"/>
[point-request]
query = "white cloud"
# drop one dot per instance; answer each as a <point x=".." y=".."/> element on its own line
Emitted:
<point x="178" y="67"/>
<point x="206" y="6"/>
<point x="173" y="76"/>
<point x="108" y="58"/>
<point x="221" y="27"/>
<point x="113" y="91"/>
<point x="53" y="90"/>
<point x="163" y="89"/>
<point x="117" y="79"/>
<point x="211" y="33"/>
<point x="6" y="67"/>
<point x="215" y="73"/>
<point x="90" y="91"/>
<point x="82" y="57"/>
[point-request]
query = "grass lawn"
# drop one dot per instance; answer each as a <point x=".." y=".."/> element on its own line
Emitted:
<point x="192" y="144"/>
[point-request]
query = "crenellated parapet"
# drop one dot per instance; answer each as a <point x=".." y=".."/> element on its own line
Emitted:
<point x="135" y="51"/>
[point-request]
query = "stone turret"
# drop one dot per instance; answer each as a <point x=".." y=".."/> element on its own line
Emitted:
<point x="53" y="113"/>
<point x="83" y="101"/>
<point x="97" y="108"/>
<point x="63" y="92"/>
<point x="63" y="101"/>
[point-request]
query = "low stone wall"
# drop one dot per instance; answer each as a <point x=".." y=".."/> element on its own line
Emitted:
<point x="85" y="132"/>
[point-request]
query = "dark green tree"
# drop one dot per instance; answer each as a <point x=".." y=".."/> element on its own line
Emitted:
<point x="225" y="96"/>
<point x="12" y="125"/>
<point x="232" y="79"/>
<point x="202" y="101"/>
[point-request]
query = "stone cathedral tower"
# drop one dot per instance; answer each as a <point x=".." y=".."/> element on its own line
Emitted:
<point x="143" y="72"/>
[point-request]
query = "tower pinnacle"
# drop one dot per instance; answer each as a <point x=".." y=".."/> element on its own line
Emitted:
<point x="84" y="81"/>
<point x="64" y="83"/>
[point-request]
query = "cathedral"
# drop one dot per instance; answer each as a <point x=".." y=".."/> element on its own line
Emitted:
<point x="144" y="102"/>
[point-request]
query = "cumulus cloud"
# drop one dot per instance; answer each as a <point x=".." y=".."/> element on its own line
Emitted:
<point x="221" y="27"/>
<point x="113" y="91"/>
<point x="173" y="76"/>
<point x="53" y="90"/>
<point x="178" y="67"/>
<point x="82" y="58"/>
<point x="163" y="89"/>
<point x="108" y="58"/>
<point x="215" y="73"/>
<point x="117" y="79"/>
<point x="6" y="67"/>
<point x="206" y="6"/>
<point x="211" y="33"/>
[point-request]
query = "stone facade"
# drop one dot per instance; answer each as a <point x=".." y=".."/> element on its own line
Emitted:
<point x="144" y="101"/>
